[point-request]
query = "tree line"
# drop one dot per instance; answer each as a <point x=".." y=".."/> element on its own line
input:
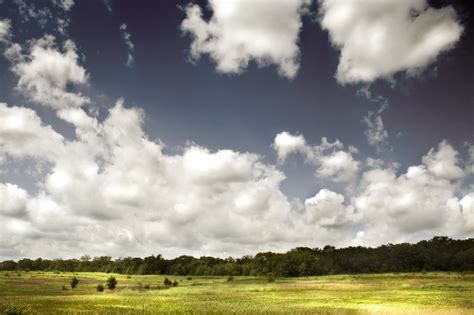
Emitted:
<point x="438" y="254"/>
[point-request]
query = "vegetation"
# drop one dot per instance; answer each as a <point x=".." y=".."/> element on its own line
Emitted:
<point x="432" y="293"/>
<point x="111" y="283"/>
<point x="167" y="282"/>
<point x="74" y="282"/>
<point x="100" y="287"/>
<point x="437" y="254"/>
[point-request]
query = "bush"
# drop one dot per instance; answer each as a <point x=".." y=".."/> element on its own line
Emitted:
<point x="167" y="282"/>
<point x="111" y="283"/>
<point x="100" y="287"/>
<point x="74" y="282"/>
<point x="14" y="310"/>
<point x="230" y="278"/>
<point x="64" y="287"/>
<point x="175" y="283"/>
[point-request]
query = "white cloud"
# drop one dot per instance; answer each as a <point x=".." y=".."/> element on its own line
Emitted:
<point x="327" y="209"/>
<point x="367" y="33"/>
<point x="29" y="11"/>
<point x="23" y="135"/>
<point x="339" y="166"/>
<point x="467" y="206"/>
<point x="114" y="191"/>
<point x="444" y="162"/>
<point x="286" y="143"/>
<point x="240" y="31"/>
<point x="12" y="200"/>
<point x="66" y="5"/>
<point x="331" y="161"/>
<point x="5" y="31"/>
<point x="127" y="37"/>
<point x="376" y="134"/>
<point x="416" y="204"/>
<point x="46" y="72"/>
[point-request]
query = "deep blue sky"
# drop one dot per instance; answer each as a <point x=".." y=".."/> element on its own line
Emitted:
<point x="186" y="101"/>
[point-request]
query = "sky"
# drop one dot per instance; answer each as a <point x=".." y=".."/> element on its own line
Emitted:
<point x="229" y="127"/>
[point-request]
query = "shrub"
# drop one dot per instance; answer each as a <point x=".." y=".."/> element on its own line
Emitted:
<point x="14" y="310"/>
<point x="167" y="282"/>
<point x="111" y="283"/>
<point x="74" y="282"/>
<point x="175" y="283"/>
<point x="64" y="287"/>
<point x="100" y="287"/>
<point x="230" y="278"/>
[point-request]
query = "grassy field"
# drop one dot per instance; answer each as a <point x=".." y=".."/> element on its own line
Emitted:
<point x="428" y="293"/>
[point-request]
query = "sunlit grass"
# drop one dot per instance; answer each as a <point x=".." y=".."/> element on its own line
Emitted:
<point x="426" y="293"/>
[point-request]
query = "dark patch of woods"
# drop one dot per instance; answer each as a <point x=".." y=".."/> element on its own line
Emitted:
<point x="438" y="254"/>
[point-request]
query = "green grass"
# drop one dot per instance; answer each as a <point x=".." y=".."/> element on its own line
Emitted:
<point x="430" y="293"/>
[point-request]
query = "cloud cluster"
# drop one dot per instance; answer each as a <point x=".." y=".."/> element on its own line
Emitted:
<point x="46" y="73"/>
<point x="420" y="202"/>
<point x="378" y="39"/>
<point x="5" y="30"/>
<point x="240" y="31"/>
<point x="112" y="190"/>
<point x="331" y="160"/>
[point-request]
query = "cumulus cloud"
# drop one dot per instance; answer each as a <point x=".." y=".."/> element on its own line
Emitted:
<point x="286" y="143"/>
<point x="420" y="202"/>
<point x="240" y="31"/>
<point x="331" y="160"/>
<point x="160" y="200"/>
<point x="367" y="33"/>
<point x="112" y="190"/>
<point x="22" y="134"/>
<point x="444" y="162"/>
<point x="5" y="31"/>
<point x="46" y="72"/>
<point x="12" y="200"/>
<point x="327" y="208"/>
<point x="127" y="37"/>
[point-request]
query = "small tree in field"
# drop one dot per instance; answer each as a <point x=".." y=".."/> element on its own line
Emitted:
<point x="74" y="282"/>
<point x="111" y="283"/>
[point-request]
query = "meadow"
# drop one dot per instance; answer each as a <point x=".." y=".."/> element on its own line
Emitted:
<point x="404" y="293"/>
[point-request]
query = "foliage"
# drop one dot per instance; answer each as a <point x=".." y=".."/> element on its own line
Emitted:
<point x="111" y="283"/>
<point x="74" y="282"/>
<point x="437" y="254"/>
<point x="14" y="310"/>
<point x="167" y="282"/>
<point x="100" y="287"/>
